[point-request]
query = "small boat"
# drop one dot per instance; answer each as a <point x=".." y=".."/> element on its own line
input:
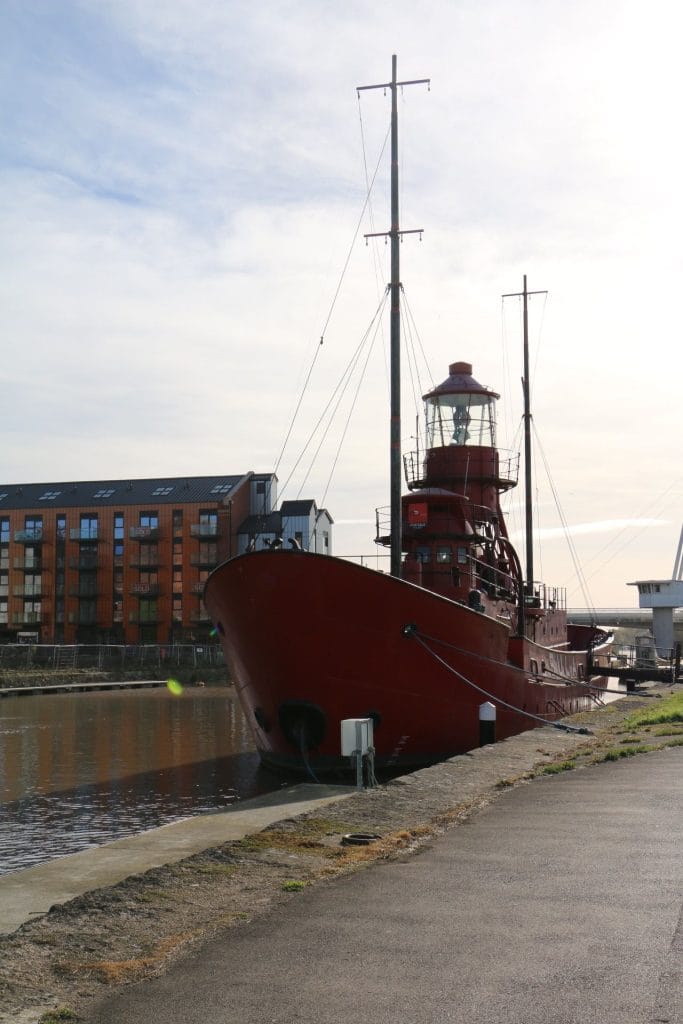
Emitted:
<point x="312" y="639"/>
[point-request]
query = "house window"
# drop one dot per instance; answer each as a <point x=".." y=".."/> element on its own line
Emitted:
<point x="4" y="531"/>
<point x="177" y="609"/>
<point x="118" y="526"/>
<point x="177" y="522"/>
<point x="150" y="519"/>
<point x="3" y="611"/>
<point x="60" y="528"/>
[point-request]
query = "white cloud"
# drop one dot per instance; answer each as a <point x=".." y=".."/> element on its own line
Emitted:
<point x="181" y="183"/>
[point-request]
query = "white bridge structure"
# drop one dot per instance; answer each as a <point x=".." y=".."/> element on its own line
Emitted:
<point x="663" y="597"/>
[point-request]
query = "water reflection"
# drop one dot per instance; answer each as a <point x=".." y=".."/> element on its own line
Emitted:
<point x="77" y="770"/>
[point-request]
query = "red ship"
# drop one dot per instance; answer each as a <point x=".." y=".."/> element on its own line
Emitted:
<point x="456" y="622"/>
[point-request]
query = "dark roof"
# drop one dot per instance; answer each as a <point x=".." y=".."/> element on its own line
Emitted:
<point x="110" y="493"/>
<point x="297" y="508"/>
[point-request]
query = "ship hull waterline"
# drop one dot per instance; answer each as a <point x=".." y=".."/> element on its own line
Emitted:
<point x="312" y="640"/>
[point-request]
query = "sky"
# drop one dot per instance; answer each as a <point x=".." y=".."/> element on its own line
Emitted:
<point x="182" y="185"/>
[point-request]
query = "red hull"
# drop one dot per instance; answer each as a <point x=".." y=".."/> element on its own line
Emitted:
<point x="312" y="640"/>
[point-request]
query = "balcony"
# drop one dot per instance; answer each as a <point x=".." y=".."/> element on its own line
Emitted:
<point x="28" y="564"/>
<point x="204" y="561"/>
<point x="201" y="618"/>
<point x="144" y="533"/>
<point x="32" y="536"/>
<point x="197" y="588"/>
<point x="27" y="618"/>
<point x="204" y="530"/>
<point x="82" y="619"/>
<point x="84" y="536"/>
<point x="84" y="564"/>
<point x="81" y="591"/>
<point x="151" y="564"/>
<point x="31" y="590"/>
<point x="145" y="589"/>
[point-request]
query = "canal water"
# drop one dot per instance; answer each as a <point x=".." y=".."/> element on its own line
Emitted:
<point x="78" y="770"/>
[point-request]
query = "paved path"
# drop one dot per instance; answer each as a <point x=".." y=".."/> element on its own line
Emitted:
<point x="560" y="903"/>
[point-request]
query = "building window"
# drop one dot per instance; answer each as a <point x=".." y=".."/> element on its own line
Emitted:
<point x="177" y="522"/>
<point x="208" y="554"/>
<point x="4" y="531"/>
<point x="162" y="492"/>
<point x="150" y="520"/>
<point x="226" y="488"/>
<point x="87" y="612"/>
<point x="149" y="555"/>
<point x="88" y="529"/>
<point x="118" y="526"/>
<point x="177" y="609"/>
<point x="60" y="528"/>
<point x="32" y="585"/>
<point x="177" y="581"/>
<point x="4" y="584"/>
<point x="3" y="611"/>
<point x="33" y="527"/>
<point x="443" y="554"/>
<point x="104" y="492"/>
<point x="177" y="552"/>
<point x="148" y="609"/>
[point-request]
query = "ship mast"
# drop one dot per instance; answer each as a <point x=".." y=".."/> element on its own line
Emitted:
<point x="394" y="234"/>
<point x="526" y="387"/>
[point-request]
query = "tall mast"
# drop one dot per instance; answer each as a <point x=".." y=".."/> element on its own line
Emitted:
<point x="527" y="451"/>
<point x="395" y="233"/>
<point x="526" y="387"/>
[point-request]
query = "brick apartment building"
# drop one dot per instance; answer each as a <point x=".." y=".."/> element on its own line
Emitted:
<point x="125" y="561"/>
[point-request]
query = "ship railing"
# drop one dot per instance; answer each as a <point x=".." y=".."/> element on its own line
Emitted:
<point x="494" y="581"/>
<point x="413" y="468"/>
<point x="546" y="598"/>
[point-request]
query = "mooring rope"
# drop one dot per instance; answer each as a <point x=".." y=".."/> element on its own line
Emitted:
<point x="412" y="631"/>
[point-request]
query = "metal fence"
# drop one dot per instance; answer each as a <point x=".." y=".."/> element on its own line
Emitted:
<point x="110" y="657"/>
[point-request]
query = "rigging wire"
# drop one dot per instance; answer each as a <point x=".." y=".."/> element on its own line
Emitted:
<point x="342" y="384"/>
<point x="333" y="304"/>
<point x="623" y="530"/>
<point x="378" y="322"/>
<point x="578" y="571"/>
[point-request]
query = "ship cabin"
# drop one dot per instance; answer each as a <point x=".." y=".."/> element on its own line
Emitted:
<point x="454" y="536"/>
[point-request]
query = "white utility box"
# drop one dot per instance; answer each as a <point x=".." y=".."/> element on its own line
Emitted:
<point x="356" y="735"/>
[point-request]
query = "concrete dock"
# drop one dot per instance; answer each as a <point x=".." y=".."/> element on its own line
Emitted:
<point x="31" y="892"/>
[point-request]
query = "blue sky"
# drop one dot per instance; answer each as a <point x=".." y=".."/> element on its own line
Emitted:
<point x="180" y="187"/>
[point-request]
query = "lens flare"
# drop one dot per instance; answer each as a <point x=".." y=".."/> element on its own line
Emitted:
<point x="174" y="687"/>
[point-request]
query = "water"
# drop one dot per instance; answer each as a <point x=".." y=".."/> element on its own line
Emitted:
<point x="78" y="770"/>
